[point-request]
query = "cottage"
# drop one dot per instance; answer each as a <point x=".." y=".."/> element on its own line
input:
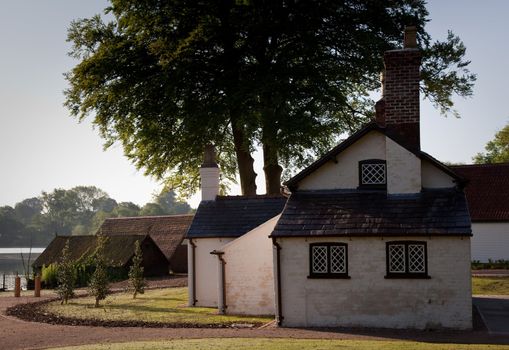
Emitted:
<point x="218" y="221"/>
<point x="119" y="253"/>
<point x="487" y="194"/>
<point x="377" y="233"/>
<point x="167" y="231"/>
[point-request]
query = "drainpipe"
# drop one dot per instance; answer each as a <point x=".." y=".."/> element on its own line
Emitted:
<point x="221" y="285"/>
<point x="191" y="270"/>
<point x="279" y="307"/>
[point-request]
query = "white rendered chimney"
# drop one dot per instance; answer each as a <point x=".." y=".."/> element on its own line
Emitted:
<point x="209" y="174"/>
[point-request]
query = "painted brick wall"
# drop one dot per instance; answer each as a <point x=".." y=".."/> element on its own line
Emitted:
<point x="490" y="241"/>
<point x="370" y="300"/>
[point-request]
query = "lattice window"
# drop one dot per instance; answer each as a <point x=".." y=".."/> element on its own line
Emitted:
<point x="328" y="260"/>
<point x="319" y="259"/>
<point x="338" y="259"/>
<point x="373" y="174"/>
<point x="416" y="258"/>
<point x="397" y="258"/>
<point x="407" y="259"/>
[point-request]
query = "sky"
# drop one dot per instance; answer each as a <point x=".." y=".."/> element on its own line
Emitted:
<point x="42" y="147"/>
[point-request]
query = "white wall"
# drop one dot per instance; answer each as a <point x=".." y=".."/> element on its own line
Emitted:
<point x="370" y="300"/>
<point x="432" y="177"/>
<point x="403" y="169"/>
<point x="345" y="173"/>
<point x="206" y="270"/>
<point x="249" y="278"/>
<point x="490" y="241"/>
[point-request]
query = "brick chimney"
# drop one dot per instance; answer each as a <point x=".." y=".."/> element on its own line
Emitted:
<point x="398" y="110"/>
<point x="209" y="174"/>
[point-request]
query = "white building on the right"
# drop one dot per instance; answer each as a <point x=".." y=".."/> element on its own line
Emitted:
<point x="487" y="194"/>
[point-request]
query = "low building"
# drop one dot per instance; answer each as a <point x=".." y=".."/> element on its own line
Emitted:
<point x="487" y="194"/>
<point x="119" y="252"/>
<point x="167" y="231"/>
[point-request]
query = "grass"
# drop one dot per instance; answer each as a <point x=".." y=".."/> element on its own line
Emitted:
<point x="167" y="305"/>
<point x="283" y="344"/>
<point x="490" y="285"/>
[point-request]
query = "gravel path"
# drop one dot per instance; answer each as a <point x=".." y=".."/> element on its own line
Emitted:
<point x="18" y="334"/>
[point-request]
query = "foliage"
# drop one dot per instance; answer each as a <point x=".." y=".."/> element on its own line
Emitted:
<point x="79" y="210"/>
<point x="99" y="284"/>
<point x="49" y="275"/>
<point x="66" y="275"/>
<point x="490" y="265"/>
<point x="166" y="78"/>
<point x="497" y="150"/>
<point x="136" y="281"/>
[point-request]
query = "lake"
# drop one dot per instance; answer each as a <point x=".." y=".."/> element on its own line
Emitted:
<point x="11" y="262"/>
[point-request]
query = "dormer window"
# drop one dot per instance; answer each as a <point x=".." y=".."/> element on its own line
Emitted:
<point x="373" y="174"/>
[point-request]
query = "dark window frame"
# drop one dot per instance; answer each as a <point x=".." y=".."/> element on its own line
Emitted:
<point x="372" y="186"/>
<point x="328" y="274"/>
<point x="407" y="274"/>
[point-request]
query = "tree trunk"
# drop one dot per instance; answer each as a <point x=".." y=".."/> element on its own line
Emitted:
<point x="272" y="170"/>
<point x="244" y="162"/>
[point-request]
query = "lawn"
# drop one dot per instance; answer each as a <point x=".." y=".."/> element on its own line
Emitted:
<point x="283" y="344"/>
<point x="490" y="285"/>
<point x="167" y="305"/>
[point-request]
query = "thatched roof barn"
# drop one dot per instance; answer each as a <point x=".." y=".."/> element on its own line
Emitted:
<point x="167" y="231"/>
<point x="119" y="252"/>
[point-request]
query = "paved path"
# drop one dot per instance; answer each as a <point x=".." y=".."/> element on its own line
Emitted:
<point x="494" y="311"/>
<point x="490" y="273"/>
<point x="17" y="334"/>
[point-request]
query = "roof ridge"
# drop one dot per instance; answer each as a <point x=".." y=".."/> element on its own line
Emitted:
<point x="258" y="196"/>
<point x="148" y="217"/>
<point x="484" y="165"/>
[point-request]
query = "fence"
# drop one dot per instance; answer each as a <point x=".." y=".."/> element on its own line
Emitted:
<point x="7" y="282"/>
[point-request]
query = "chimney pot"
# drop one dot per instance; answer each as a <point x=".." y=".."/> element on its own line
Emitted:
<point x="410" y="39"/>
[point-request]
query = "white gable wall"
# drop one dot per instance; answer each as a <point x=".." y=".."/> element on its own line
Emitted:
<point x="403" y="169"/>
<point x="368" y="299"/>
<point x="345" y="173"/>
<point x="249" y="278"/>
<point x="206" y="270"/>
<point x="432" y="177"/>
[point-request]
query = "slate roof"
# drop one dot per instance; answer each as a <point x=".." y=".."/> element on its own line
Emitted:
<point x="487" y="190"/>
<point x="373" y="126"/>
<point x="119" y="249"/>
<point x="359" y="213"/>
<point x="232" y="216"/>
<point x="167" y="231"/>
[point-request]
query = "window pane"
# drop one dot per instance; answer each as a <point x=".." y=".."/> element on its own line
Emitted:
<point x="416" y="258"/>
<point x="373" y="174"/>
<point x="338" y="259"/>
<point x="319" y="259"/>
<point x="397" y="258"/>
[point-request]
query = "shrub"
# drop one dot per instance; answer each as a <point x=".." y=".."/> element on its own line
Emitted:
<point x="98" y="286"/>
<point x="49" y="275"/>
<point x="66" y="275"/>
<point x="136" y="281"/>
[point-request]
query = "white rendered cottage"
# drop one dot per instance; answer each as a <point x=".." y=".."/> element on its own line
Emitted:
<point x="377" y="233"/>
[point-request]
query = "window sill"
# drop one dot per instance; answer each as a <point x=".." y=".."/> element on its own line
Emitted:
<point x="329" y="276"/>
<point x="407" y="276"/>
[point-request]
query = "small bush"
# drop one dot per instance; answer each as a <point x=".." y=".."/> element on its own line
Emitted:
<point x="49" y="275"/>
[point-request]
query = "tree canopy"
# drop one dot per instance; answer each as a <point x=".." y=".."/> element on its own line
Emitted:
<point x="165" y="78"/>
<point x="79" y="210"/>
<point x="497" y="150"/>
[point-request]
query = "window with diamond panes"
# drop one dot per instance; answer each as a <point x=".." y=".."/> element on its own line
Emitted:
<point x="372" y="173"/>
<point x="407" y="259"/>
<point x="328" y="260"/>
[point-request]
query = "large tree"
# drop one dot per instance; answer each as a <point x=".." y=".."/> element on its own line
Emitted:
<point x="164" y="78"/>
<point x="497" y="150"/>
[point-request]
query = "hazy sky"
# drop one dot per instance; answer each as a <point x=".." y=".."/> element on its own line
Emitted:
<point x="42" y="147"/>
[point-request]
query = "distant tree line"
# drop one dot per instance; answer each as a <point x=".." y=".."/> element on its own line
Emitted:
<point x="78" y="211"/>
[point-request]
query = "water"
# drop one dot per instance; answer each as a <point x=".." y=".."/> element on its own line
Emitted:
<point x="11" y="262"/>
